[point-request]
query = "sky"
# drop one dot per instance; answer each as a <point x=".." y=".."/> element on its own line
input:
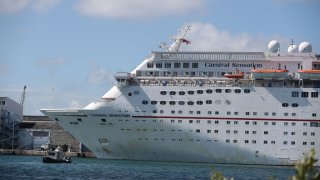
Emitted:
<point x="67" y="51"/>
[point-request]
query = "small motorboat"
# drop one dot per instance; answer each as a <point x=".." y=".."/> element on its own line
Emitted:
<point x="57" y="156"/>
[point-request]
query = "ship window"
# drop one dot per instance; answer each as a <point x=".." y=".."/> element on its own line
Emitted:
<point x="182" y="93"/>
<point x="235" y="141"/>
<point x="295" y="94"/>
<point x="265" y="132"/>
<point x="190" y="112"/>
<point x="273" y="142"/>
<point x="144" y="102"/>
<point x="285" y="123"/>
<point x="209" y="121"/>
<point x="198" y="121"/>
<point x="235" y="113"/>
<point x="228" y="102"/>
<point x="161" y="112"/>
<point x="228" y="122"/>
<point x="266" y="113"/>
<point x="273" y="123"/>
<point x="314" y="124"/>
<point x="172" y="102"/>
<point x="305" y="124"/>
<point x="173" y="111"/>
<point x="208" y="102"/>
<point x="216" y="112"/>
<point x="235" y="122"/>
<point x="190" y="103"/>
<point x="129" y="94"/>
<point x="172" y="93"/>
<point x="150" y="65"/>
<point x="185" y="65"/>
<point x="216" y="122"/>
<point x="314" y="115"/>
<point x="180" y="112"/>
<point x="265" y="123"/>
<point x="293" y="143"/>
<point x="285" y="104"/>
<point x="179" y="121"/>
<point x="209" y="91"/>
<point x="181" y="102"/>
<point x="163" y="102"/>
<point x="293" y="114"/>
<point x="254" y="132"/>
<point x="199" y="102"/>
<point x="293" y="133"/>
<point x="254" y="113"/>
<point x="216" y="131"/>
<point x="198" y="112"/>
<point x="153" y="102"/>
<point x="136" y="92"/>
<point x="190" y="121"/>
<point x="103" y="120"/>
<point x="190" y="92"/>
<point x="254" y="122"/>
<point x="218" y="90"/>
<point x="295" y="104"/>
<point x="227" y="91"/>
<point x="254" y="142"/>
<point x="247" y="122"/>
<point x="265" y="142"/>
<point x="235" y="132"/>
<point x="246" y="141"/>
<point x="274" y="114"/>
<point x="246" y="132"/>
<point x="200" y="92"/>
<point x="177" y="65"/>
<point x="172" y="120"/>
<point x="167" y="65"/>
<point x="228" y="113"/>
<point x="247" y="113"/>
<point x="194" y="65"/>
<point x="227" y="140"/>
<point x="314" y="94"/>
<point x="304" y="94"/>
<point x="312" y="143"/>
<point x="209" y="131"/>
<point x="247" y="91"/>
<point x="154" y="111"/>
<point x="237" y="90"/>
<point x="158" y="65"/>
<point x="285" y="142"/>
<point x="285" y="114"/>
<point x="304" y="143"/>
<point x="285" y="133"/>
<point x="163" y="92"/>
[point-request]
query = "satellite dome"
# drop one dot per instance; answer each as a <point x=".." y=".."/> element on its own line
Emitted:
<point x="293" y="48"/>
<point x="305" y="47"/>
<point x="273" y="46"/>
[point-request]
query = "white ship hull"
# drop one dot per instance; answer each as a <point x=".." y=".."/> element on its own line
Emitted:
<point x="135" y="133"/>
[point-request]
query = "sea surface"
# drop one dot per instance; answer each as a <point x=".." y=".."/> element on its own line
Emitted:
<point x="31" y="167"/>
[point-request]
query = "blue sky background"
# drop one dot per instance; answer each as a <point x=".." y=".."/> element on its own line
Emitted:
<point x="67" y="51"/>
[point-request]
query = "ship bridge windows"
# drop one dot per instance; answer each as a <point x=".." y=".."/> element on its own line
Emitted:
<point x="177" y="65"/>
<point x="304" y="94"/>
<point x="314" y="94"/>
<point x="295" y="94"/>
<point x="167" y="65"/>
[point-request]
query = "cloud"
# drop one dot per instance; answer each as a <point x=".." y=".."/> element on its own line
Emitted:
<point x="44" y="5"/>
<point x="12" y="6"/>
<point x="145" y="9"/>
<point x="206" y="37"/>
<point x="51" y="64"/>
<point x="99" y="75"/>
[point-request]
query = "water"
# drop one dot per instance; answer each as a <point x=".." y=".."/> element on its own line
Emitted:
<point x="31" y="167"/>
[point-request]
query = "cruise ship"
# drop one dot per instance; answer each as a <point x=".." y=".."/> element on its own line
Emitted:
<point x="216" y="107"/>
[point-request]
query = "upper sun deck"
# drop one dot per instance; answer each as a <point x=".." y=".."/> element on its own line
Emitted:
<point x="231" y="56"/>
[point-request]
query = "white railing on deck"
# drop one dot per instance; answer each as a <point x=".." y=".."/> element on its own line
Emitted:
<point x="210" y="56"/>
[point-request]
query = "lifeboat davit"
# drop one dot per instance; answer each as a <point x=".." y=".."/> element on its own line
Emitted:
<point x="238" y="75"/>
<point x="269" y="73"/>
<point x="309" y="74"/>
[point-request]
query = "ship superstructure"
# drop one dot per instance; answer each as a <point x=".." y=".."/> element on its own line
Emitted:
<point x="221" y="107"/>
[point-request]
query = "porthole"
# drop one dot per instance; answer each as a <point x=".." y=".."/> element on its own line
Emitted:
<point x="181" y="93"/>
<point x="208" y="102"/>
<point x="181" y="102"/>
<point x="247" y="91"/>
<point x="190" y="103"/>
<point x="144" y="102"/>
<point x="153" y="102"/>
<point x="190" y="92"/>
<point x="295" y="104"/>
<point x="237" y="90"/>
<point x="199" y="102"/>
<point x="218" y="90"/>
<point x="209" y="91"/>
<point x="172" y="93"/>
<point x="200" y="92"/>
<point x="163" y="92"/>
<point x="163" y="102"/>
<point x="285" y="104"/>
<point x="227" y="91"/>
<point x="172" y="102"/>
